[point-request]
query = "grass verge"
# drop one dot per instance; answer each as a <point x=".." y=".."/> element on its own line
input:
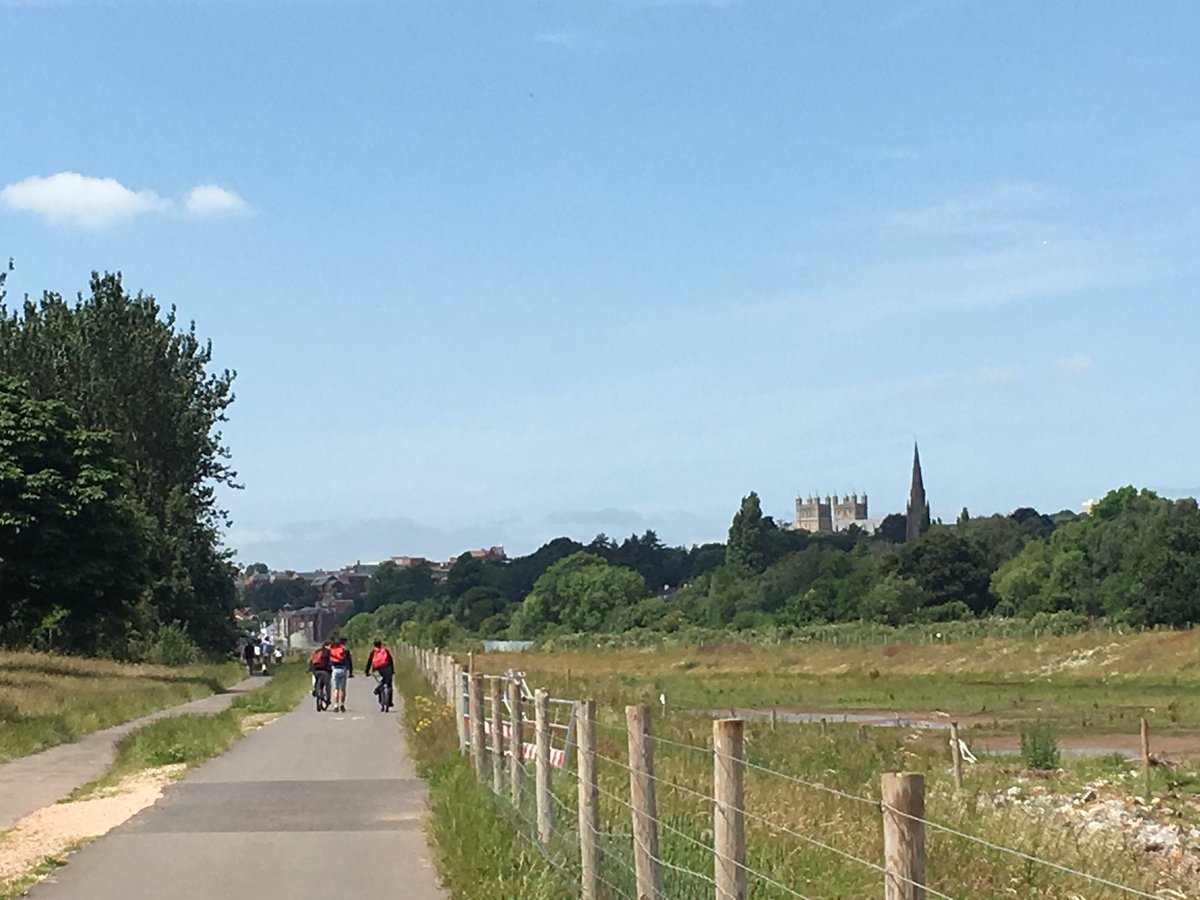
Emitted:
<point x="192" y="739"/>
<point x="47" y="700"/>
<point x="479" y="855"/>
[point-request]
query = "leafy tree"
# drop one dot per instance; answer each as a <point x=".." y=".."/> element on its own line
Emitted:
<point x="747" y="544"/>
<point x="1020" y="584"/>
<point x="1033" y="523"/>
<point x="657" y="563"/>
<point x="704" y="558"/>
<point x="466" y="573"/>
<point x="392" y="584"/>
<point x="516" y="578"/>
<point x="791" y="577"/>
<point x="272" y="596"/>
<point x="72" y="546"/>
<point x="577" y="593"/>
<point x="893" y="529"/>
<point x="127" y="368"/>
<point x="947" y="568"/>
<point x="894" y="600"/>
<point x="996" y="538"/>
<point x="478" y="604"/>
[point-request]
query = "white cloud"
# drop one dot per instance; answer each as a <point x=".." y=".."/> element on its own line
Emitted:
<point x="1075" y="364"/>
<point x="208" y="200"/>
<point x="73" y="199"/>
<point x="69" y="198"/>
<point x="566" y="38"/>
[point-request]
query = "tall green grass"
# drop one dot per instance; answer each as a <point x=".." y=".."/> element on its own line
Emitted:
<point x="47" y="699"/>
<point x="480" y="856"/>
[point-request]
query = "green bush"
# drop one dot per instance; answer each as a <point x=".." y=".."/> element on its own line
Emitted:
<point x="1039" y="747"/>
<point x="173" y="647"/>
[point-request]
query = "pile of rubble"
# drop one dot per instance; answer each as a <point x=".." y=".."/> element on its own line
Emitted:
<point x="1153" y="827"/>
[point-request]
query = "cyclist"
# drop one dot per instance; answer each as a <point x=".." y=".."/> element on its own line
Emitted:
<point x="320" y="666"/>
<point x="341" y="668"/>
<point x="381" y="661"/>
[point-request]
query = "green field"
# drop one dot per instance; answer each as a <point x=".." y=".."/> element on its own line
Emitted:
<point x="1080" y="685"/>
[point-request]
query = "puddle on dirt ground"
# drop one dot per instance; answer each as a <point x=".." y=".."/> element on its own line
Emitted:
<point x="1173" y="746"/>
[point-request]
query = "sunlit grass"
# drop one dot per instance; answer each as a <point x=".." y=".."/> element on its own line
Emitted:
<point x="47" y="700"/>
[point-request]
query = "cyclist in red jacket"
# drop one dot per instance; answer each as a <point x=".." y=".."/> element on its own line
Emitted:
<point x="381" y="661"/>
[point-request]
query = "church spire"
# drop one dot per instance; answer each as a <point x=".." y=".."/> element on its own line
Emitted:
<point x="918" y="506"/>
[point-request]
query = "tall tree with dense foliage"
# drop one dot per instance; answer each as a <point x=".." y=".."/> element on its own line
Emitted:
<point x="71" y="544"/>
<point x="125" y="365"/>
<point x="577" y="593"/>
<point x="747" y="544"/>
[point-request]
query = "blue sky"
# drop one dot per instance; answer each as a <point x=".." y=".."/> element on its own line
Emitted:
<point x="494" y="272"/>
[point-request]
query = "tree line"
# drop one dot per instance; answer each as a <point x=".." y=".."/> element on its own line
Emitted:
<point x="110" y="457"/>
<point x="1134" y="560"/>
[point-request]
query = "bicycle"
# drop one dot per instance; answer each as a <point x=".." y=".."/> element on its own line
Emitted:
<point x="383" y="691"/>
<point x="321" y="691"/>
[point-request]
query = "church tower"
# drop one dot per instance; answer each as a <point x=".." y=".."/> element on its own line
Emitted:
<point x="918" y="507"/>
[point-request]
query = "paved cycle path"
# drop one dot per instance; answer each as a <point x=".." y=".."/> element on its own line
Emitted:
<point x="313" y="805"/>
<point x="31" y="782"/>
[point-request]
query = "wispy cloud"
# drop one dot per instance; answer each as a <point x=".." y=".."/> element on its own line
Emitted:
<point x="83" y="201"/>
<point x="210" y="200"/>
<point x="994" y="209"/>
<point x="565" y="38"/>
<point x="1075" y="364"/>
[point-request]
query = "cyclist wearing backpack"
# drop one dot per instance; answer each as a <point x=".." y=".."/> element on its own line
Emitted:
<point x="320" y="667"/>
<point x="341" y="668"/>
<point x="381" y="661"/>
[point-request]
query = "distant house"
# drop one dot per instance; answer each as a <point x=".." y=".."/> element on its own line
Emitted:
<point x="491" y="554"/>
<point x="355" y="578"/>
<point x="409" y="562"/>
<point x="329" y="586"/>
<point x="306" y="627"/>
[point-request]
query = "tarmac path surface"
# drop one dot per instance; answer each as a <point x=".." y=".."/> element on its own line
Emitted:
<point x="311" y="806"/>
<point x="31" y="782"/>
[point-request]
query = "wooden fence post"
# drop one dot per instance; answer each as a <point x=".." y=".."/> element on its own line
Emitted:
<point x="956" y="756"/>
<point x="516" y="742"/>
<point x="541" y="726"/>
<point x="497" y="737"/>
<point x="641" y="798"/>
<point x="1146" y="757"/>
<point x="476" y="713"/>
<point x="459" y="702"/>
<point x="589" y="799"/>
<point x="729" y="818"/>
<point x="904" y="836"/>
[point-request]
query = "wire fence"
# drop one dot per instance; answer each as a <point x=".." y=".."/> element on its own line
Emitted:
<point x="620" y="812"/>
